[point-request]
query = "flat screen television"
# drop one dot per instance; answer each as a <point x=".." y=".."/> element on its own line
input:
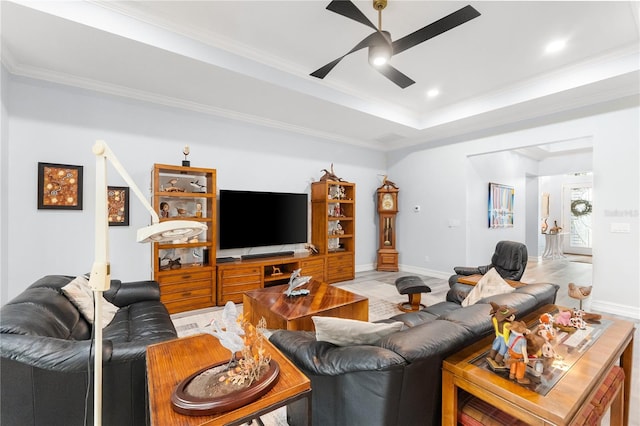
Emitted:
<point x="256" y="219"/>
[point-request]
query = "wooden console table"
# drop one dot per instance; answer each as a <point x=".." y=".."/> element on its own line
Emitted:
<point x="563" y="402"/>
<point x="294" y="313"/>
<point x="168" y="363"/>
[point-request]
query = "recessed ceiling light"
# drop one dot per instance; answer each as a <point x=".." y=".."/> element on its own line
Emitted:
<point x="433" y="93"/>
<point x="555" y="46"/>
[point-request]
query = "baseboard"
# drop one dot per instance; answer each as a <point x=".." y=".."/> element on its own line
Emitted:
<point x="425" y="271"/>
<point x="365" y="268"/>
<point x="616" y="309"/>
<point x="406" y="268"/>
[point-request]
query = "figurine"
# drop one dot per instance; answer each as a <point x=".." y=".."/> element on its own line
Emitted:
<point x="544" y="227"/>
<point x="230" y="334"/>
<point x="545" y="329"/>
<point x="562" y="318"/>
<point x="535" y="343"/>
<point x="517" y="352"/>
<point x="186" y="151"/>
<point x="386" y="183"/>
<point x="501" y="319"/>
<point x="198" y="210"/>
<point x="296" y="281"/>
<point x="555" y="229"/>
<point x="164" y="209"/>
<point x="196" y="184"/>
<point x="329" y="175"/>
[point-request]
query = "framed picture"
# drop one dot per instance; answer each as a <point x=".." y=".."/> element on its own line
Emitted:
<point x="501" y="199"/>
<point x="118" y="205"/>
<point x="59" y="186"/>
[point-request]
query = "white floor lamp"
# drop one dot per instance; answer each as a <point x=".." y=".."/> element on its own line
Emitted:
<point x="100" y="279"/>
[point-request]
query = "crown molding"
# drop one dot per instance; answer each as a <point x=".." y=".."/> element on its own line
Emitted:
<point x="144" y="96"/>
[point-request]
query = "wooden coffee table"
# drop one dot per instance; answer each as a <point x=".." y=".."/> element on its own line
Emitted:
<point x="563" y="401"/>
<point x="168" y="363"/>
<point x="294" y="313"/>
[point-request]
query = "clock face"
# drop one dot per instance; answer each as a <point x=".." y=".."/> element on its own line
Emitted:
<point x="387" y="202"/>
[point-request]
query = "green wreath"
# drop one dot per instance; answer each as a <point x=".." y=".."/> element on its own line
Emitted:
<point x="581" y="207"/>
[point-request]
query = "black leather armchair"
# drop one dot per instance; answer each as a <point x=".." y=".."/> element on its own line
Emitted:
<point x="47" y="354"/>
<point x="509" y="260"/>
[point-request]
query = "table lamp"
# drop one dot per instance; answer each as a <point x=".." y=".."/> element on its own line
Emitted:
<point x="100" y="279"/>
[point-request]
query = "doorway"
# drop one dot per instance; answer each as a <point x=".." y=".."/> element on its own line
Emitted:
<point x="577" y="213"/>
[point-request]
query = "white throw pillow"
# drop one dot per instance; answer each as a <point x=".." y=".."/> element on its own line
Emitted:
<point x="345" y="332"/>
<point x="490" y="284"/>
<point x="81" y="295"/>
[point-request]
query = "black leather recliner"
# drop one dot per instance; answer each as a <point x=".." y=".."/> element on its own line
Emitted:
<point x="46" y="354"/>
<point x="509" y="260"/>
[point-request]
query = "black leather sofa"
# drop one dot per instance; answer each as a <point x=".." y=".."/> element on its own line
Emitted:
<point x="397" y="380"/>
<point x="46" y="347"/>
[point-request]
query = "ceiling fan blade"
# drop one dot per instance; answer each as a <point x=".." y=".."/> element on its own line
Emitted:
<point x="394" y="75"/>
<point x="366" y="42"/>
<point x="438" y="27"/>
<point x="349" y="10"/>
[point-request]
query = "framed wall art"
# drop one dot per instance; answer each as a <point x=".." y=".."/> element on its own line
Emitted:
<point x="59" y="186"/>
<point x="501" y="199"/>
<point x="118" y="205"/>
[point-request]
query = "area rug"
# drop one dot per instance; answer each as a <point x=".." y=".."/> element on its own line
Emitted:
<point x="383" y="303"/>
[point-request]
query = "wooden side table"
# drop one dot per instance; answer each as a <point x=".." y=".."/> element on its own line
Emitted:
<point x="563" y="402"/>
<point x="170" y="362"/>
<point x="473" y="280"/>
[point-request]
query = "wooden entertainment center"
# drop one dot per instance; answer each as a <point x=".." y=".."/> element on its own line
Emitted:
<point x="188" y="272"/>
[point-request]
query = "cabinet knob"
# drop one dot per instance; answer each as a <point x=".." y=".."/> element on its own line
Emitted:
<point x="188" y="293"/>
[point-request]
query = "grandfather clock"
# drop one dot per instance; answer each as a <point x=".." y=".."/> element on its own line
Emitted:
<point x="387" y="210"/>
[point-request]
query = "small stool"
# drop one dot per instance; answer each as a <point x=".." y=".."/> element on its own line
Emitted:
<point x="412" y="286"/>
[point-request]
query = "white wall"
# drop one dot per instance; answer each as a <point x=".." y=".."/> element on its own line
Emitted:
<point x="57" y="124"/>
<point x="4" y="186"/>
<point x="53" y="123"/>
<point x="441" y="179"/>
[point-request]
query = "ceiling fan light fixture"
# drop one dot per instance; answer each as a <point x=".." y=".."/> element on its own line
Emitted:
<point x="381" y="52"/>
<point x="379" y="55"/>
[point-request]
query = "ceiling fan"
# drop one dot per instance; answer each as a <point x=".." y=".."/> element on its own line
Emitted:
<point x="381" y="47"/>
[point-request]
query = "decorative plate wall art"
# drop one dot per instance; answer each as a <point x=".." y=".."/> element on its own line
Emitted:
<point x="118" y="205"/>
<point x="59" y="186"/>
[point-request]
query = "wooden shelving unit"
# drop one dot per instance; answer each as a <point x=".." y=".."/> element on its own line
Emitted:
<point x="186" y="270"/>
<point x="333" y="227"/>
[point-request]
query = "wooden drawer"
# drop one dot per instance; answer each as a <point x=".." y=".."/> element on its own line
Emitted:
<point x="225" y="281"/>
<point x="188" y="304"/>
<point x="185" y="294"/>
<point x="240" y="272"/>
<point x="183" y="276"/>
<point x="340" y="268"/>
<point x="239" y="289"/>
<point x="314" y="268"/>
<point x="336" y="261"/>
<point x="186" y="286"/>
